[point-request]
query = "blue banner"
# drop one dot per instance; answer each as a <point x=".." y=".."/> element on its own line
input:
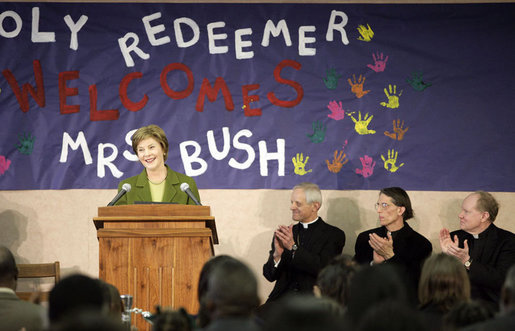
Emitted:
<point x="255" y="96"/>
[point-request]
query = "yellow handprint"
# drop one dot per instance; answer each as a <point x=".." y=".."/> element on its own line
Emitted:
<point x="299" y="163"/>
<point x="361" y="126"/>
<point x="389" y="164"/>
<point x="393" y="98"/>
<point x="366" y="33"/>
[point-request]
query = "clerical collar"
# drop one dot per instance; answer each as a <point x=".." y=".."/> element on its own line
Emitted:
<point x="483" y="234"/>
<point x="305" y="225"/>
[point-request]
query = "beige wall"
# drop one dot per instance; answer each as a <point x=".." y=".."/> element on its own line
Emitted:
<point x="43" y="226"/>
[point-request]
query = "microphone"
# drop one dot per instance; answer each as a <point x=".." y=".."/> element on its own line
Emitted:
<point x="125" y="188"/>
<point x="186" y="189"/>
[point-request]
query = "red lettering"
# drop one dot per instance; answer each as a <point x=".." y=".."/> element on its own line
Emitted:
<point x="122" y="91"/>
<point x="65" y="91"/>
<point x="166" y="88"/>
<point x="247" y="99"/>
<point x="212" y="93"/>
<point x="37" y="93"/>
<point x="99" y="115"/>
<point x="298" y="88"/>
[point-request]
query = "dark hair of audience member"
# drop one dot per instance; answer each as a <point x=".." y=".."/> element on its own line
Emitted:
<point x="334" y="280"/>
<point x="8" y="269"/>
<point x="305" y="313"/>
<point x="443" y="283"/>
<point x="392" y="315"/>
<point x="73" y="294"/>
<point x="466" y="313"/>
<point x="112" y="300"/>
<point x="232" y="290"/>
<point x="371" y="286"/>
<point x="86" y="319"/>
<point x="508" y="292"/>
<point x="401" y="199"/>
<point x="203" y="285"/>
<point x="172" y="320"/>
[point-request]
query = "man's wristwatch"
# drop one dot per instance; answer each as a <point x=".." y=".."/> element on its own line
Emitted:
<point x="467" y="264"/>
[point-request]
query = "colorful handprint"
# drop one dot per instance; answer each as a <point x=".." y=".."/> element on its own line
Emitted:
<point x="318" y="134"/>
<point x="417" y="82"/>
<point x="338" y="161"/>
<point x="393" y="98"/>
<point x="4" y="164"/>
<point x="366" y="33"/>
<point x="337" y="112"/>
<point x="379" y="62"/>
<point x="300" y="164"/>
<point x="331" y="80"/>
<point x="368" y="166"/>
<point x="390" y="163"/>
<point x="357" y="86"/>
<point x="398" y="130"/>
<point x="361" y="126"/>
<point x="26" y="143"/>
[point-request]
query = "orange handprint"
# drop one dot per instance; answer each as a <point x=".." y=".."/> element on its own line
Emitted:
<point x="337" y="163"/>
<point x="398" y="130"/>
<point x="357" y="86"/>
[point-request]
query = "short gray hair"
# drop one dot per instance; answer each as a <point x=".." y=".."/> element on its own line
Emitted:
<point x="312" y="192"/>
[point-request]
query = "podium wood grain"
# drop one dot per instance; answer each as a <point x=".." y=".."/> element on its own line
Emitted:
<point x="155" y="253"/>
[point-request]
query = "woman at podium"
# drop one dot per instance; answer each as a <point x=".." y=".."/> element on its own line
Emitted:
<point x="157" y="182"/>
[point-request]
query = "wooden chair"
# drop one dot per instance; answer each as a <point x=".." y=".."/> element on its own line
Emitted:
<point x="35" y="271"/>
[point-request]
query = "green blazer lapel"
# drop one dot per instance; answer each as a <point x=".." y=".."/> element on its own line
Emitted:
<point x="171" y="185"/>
<point x="143" y="189"/>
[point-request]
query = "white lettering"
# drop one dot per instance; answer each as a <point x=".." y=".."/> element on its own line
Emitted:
<point x="104" y="161"/>
<point x="128" y="139"/>
<point x="212" y="37"/>
<point x="153" y="30"/>
<point x="275" y="31"/>
<point x="17" y="22"/>
<point x="217" y="155"/>
<point x="80" y="141"/>
<point x="187" y="159"/>
<point x="246" y="147"/>
<point x="239" y="44"/>
<point x="74" y="29"/>
<point x="303" y="40"/>
<point x="36" y="36"/>
<point x="122" y="42"/>
<point x="264" y="157"/>
<point x="339" y="27"/>
<point x="178" y="32"/>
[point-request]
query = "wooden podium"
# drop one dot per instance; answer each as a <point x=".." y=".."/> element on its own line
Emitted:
<point x="155" y="252"/>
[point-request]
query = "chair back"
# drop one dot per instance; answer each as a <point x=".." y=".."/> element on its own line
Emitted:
<point x="38" y="271"/>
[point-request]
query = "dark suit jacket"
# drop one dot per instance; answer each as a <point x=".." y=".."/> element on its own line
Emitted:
<point x="410" y="248"/>
<point x="140" y="189"/>
<point x="16" y="314"/>
<point x="488" y="270"/>
<point x="298" y="272"/>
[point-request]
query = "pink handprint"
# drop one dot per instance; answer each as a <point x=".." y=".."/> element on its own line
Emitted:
<point x="4" y="164"/>
<point x="379" y="62"/>
<point x="337" y="112"/>
<point x="368" y="166"/>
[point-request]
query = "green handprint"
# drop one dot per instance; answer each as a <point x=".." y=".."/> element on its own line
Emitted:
<point x="416" y="81"/>
<point x="393" y="98"/>
<point x="299" y="163"/>
<point x="318" y="132"/>
<point x="26" y="143"/>
<point x="331" y="82"/>
<point x="366" y="33"/>
<point x="389" y="164"/>
<point x="361" y="126"/>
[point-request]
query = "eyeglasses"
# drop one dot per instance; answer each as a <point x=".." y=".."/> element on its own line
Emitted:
<point x="382" y="205"/>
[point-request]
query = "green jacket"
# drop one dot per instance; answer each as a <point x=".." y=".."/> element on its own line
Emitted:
<point x="140" y="190"/>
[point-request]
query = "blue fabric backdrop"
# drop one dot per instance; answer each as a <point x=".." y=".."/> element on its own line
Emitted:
<point x="418" y="96"/>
